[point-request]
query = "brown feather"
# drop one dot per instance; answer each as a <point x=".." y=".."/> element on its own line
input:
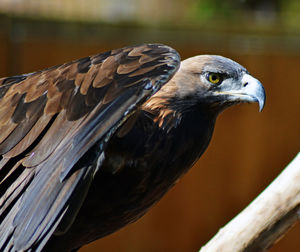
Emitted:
<point x="100" y="80"/>
<point x="109" y="67"/>
<point x="68" y="71"/>
<point x="37" y="90"/>
<point x="158" y="104"/>
<point x="127" y="68"/>
<point x="89" y="78"/>
<point x="146" y="58"/>
<point x="54" y="103"/>
<point x="112" y="92"/>
<point x="79" y="79"/>
<point x="138" y="51"/>
<point x="6" y="129"/>
<point x="29" y="138"/>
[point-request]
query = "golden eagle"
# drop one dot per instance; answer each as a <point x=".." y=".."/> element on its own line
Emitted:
<point x="89" y="146"/>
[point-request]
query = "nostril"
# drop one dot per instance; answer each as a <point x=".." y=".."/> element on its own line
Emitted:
<point x="245" y="84"/>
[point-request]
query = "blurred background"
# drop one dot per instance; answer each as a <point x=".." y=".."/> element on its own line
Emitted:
<point x="248" y="149"/>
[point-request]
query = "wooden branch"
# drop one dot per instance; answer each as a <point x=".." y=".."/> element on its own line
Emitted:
<point x="266" y="219"/>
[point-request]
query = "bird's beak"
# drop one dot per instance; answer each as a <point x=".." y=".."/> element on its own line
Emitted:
<point x="250" y="90"/>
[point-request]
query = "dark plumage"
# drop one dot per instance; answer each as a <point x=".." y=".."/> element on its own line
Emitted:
<point x="89" y="146"/>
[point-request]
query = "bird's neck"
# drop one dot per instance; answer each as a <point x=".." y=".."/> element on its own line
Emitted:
<point x="170" y="111"/>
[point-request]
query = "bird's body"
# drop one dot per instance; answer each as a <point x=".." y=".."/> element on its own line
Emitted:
<point x="115" y="154"/>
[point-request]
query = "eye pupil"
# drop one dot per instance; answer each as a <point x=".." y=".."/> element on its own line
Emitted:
<point x="214" y="78"/>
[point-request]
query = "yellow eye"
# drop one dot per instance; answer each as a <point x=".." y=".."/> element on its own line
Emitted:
<point x="214" y="78"/>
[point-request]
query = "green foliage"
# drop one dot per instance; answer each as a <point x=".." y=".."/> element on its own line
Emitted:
<point x="290" y="13"/>
<point x="212" y="9"/>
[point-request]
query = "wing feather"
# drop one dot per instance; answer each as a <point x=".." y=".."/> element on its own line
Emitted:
<point x="29" y="138"/>
<point x="49" y="120"/>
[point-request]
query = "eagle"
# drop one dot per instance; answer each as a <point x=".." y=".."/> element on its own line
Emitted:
<point x="89" y="146"/>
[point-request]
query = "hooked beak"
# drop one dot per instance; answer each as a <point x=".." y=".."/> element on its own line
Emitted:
<point x="251" y="90"/>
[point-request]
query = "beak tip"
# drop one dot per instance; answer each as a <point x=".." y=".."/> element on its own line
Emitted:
<point x="261" y="107"/>
<point x="261" y="98"/>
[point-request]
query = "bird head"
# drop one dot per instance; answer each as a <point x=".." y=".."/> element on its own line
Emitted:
<point x="214" y="82"/>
